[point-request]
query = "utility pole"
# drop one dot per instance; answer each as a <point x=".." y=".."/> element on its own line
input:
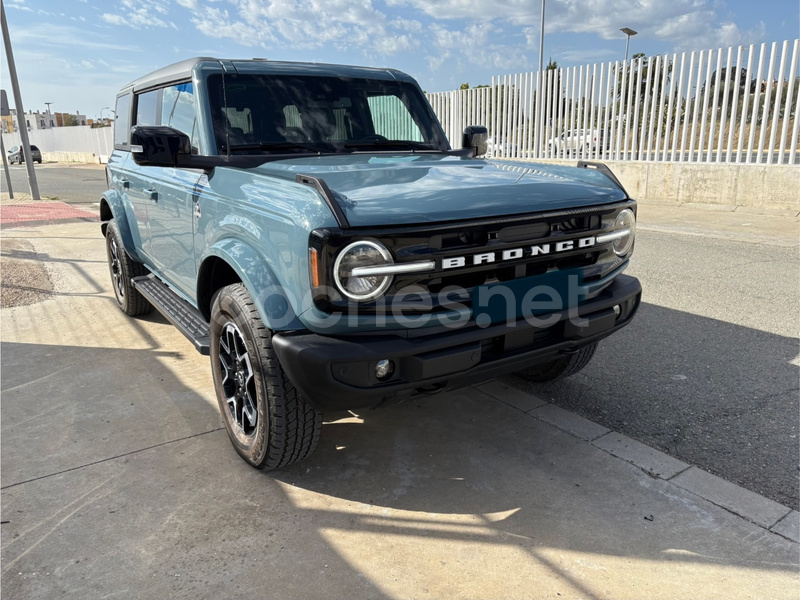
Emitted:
<point x="49" y="116"/>
<point x="23" y="131"/>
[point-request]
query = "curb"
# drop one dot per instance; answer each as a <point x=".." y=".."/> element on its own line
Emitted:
<point x="763" y="512"/>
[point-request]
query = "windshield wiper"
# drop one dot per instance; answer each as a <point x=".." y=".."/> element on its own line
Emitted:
<point x="396" y="143"/>
<point x="273" y="146"/>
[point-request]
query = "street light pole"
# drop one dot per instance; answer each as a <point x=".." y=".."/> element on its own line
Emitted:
<point x="628" y="32"/>
<point x="541" y="40"/>
<point x="23" y="131"/>
<point x="49" y="116"/>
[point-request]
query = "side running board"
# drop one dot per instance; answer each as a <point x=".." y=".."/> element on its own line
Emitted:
<point x="179" y="312"/>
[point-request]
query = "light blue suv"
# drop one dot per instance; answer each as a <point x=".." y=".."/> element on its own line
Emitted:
<point x="309" y="227"/>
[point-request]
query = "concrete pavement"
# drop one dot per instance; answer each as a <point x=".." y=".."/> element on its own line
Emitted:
<point x="118" y="482"/>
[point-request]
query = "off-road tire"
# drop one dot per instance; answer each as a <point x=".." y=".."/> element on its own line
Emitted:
<point x="560" y="367"/>
<point x="122" y="269"/>
<point x="287" y="427"/>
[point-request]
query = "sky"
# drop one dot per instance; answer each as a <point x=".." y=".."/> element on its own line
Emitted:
<point x="76" y="54"/>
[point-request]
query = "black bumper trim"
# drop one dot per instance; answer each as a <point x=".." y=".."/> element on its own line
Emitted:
<point x="337" y="372"/>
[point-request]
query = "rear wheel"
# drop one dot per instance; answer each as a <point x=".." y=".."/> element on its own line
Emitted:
<point x="269" y="423"/>
<point x="122" y="269"/>
<point x="560" y="367"/>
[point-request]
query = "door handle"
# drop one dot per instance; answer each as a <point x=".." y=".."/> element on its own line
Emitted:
<point x="152" y="194"/>
<point x="125" y="183"/>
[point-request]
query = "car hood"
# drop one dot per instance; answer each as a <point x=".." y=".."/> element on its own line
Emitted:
<point x="422" y="188"/>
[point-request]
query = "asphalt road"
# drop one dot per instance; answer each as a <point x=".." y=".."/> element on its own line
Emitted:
<point x="708" y="371"/>
<point x="78" y="185"/>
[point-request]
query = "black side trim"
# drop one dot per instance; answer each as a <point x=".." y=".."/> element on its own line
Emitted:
<point x="179" y="312"/>
<point x="585" y="164"/>
<point x="318" y="183"/>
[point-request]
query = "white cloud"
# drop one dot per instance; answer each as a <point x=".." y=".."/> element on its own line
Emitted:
<point x="60" y="36"/>
<point x="18" y="4"/>
<point x="138" y="14"/>
<point x="311" y="24"/>
<point x="683" y="23"/>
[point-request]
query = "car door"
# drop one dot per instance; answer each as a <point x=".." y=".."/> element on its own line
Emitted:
<point x="170" y="197"/>
<point x="123" y="174"/>
<point x="139" y="179"/>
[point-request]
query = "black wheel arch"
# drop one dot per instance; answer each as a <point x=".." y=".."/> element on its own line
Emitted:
<point x="105" y="215"/>
<point x="214" y="274"/>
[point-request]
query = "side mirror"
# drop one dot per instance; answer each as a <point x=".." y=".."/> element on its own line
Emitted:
<point x="477" y="138"/>
<point x="159" y="146"/>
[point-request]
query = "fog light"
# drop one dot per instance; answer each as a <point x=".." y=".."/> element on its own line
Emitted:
<point x="617" y="309"/>
<point x="384" y="369"/>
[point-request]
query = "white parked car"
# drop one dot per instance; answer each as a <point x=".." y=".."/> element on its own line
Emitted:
<point x="503" y="149"/>
<point x="576" y="142"/>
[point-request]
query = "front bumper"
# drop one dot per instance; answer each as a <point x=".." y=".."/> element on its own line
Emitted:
<point x="337" y="372"/>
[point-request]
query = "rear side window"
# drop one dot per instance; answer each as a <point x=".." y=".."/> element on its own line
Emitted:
<point x="147" y="108"/>
<point x="122" y="121"/>
<point x="392" y="119"/>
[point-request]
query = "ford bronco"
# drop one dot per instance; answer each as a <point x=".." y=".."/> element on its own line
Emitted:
<point x="311" y="229"/>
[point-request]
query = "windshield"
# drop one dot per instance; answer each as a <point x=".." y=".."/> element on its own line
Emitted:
<point x="258" y="114"/>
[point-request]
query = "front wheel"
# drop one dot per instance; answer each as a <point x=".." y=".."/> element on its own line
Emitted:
<point x="560" y="367"/>
<point x="269" y="423"/>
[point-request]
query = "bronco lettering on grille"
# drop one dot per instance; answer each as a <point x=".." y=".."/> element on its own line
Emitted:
<point x="455" y="262"/>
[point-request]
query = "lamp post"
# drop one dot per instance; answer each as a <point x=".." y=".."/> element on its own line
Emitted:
<point x="109" y="109"/>
<point x="49" y="116"/>
<point x="541" y="40"/>
<point x="23" y="132"/>
<point x="628" y="32"/>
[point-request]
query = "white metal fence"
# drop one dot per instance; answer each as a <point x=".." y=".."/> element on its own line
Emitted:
<point x="727" y="105"/>
<point x="79" y="139"/>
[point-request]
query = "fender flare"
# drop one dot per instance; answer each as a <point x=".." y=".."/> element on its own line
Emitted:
<point x="274" y="305"/>
<point x="111" y="202"/>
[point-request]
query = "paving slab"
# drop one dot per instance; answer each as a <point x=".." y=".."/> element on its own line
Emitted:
<point x="40" y="211"/>
<point x="451" y="496"/>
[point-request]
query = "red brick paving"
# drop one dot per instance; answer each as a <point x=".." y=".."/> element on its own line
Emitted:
<point x="41" y="211"/>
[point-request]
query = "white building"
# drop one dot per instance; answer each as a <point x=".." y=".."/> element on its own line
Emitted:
<point x="35" y="120"/>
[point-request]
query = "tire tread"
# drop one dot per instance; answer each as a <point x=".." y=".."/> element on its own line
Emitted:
<point x="561" y="367"/>
<point x="294" y="425"/>
<point x="135" y="303"/>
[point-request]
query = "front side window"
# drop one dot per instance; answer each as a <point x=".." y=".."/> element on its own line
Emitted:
<point x="178" y="111"/>
<point x="268" y="113"/>
<point x="122" y="120"/>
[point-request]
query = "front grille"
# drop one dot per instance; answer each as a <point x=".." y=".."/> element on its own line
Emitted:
<point x="468" y="239"/>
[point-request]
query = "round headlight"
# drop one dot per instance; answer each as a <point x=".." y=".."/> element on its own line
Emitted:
<point x="362" y="254"/>
<point x="626" y="221"/>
